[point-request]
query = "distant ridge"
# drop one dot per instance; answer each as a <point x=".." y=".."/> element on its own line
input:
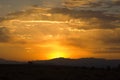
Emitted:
<point x="3" y="61"/>
<point x="83" y="62"/>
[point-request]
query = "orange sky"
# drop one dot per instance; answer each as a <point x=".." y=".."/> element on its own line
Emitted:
<point x="66" y="28"/>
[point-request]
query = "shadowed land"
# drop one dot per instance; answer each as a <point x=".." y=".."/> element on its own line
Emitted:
<point x="47" y="72"/>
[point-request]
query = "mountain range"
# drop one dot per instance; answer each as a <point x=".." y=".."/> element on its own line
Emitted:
<point x="3" y="61"/>
<point x="82" y="62"/>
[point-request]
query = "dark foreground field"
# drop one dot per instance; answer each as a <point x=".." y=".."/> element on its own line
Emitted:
<point x="40" y="72"/>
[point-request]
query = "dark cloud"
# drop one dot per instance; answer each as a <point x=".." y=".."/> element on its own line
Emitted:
<point x="116" y="2"/>
<point x="80" y="3"/>
<point x="107" y="50"/>
<point x="111" y="40"/>
<point x="7" y="37"/>
<point x="95" y="46"/>
<point x="4" y="35"/>
<point x="93" y="19"/>
<point x="96" y="40"/>
<point x="91" y="3"/>
<point x="85" y="13"/>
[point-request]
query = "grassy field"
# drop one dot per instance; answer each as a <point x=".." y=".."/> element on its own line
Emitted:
<point x="42" y="72"/>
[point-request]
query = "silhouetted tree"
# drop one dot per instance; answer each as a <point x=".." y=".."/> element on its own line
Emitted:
<point x="30" y="62"/>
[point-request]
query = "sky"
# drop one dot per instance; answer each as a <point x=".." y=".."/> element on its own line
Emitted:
<point x="46" y="29"/>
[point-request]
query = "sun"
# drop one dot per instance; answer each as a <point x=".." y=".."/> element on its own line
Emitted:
<point x="56" y="51"/>
<point x="57" y="55"/>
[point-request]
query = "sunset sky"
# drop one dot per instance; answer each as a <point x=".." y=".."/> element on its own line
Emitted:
<point x="46" y="29"/>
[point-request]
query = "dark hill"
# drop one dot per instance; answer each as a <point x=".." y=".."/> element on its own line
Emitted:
<point x="86" y="62"/>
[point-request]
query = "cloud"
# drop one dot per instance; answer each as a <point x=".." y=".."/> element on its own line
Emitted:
<point x="7" y="37"/>
<point x="4" y="34"/>
<point x="92" y="19"/>
<point x="95" y="40"/>
<point x="91" y="3"/>
<point x="112" y="50"/>
<point x="79" y="3"/>
<point x="93" y="30"/>
<point x="116" y="2"/>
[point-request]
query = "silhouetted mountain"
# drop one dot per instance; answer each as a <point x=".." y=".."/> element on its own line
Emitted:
<point x="3" y="61"/>
<point x="83" y="62"/>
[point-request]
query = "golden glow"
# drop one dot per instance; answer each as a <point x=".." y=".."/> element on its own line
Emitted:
<point x="57" y="51"/>
<point x="56" y="55"/>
